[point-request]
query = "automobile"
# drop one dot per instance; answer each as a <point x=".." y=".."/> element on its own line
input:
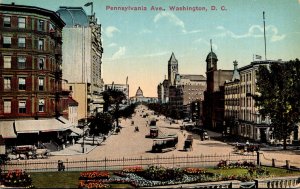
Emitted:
<point x="205" y="136"/>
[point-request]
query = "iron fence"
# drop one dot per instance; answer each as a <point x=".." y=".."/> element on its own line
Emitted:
<point x="120" y="163"/>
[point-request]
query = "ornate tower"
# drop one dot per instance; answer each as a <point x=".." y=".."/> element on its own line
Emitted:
<point x="211" y="60"/>
<point x="172" y="69"/>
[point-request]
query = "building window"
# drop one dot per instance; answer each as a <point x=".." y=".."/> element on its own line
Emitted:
<point x="41" y="44"/>
<point x="40" y="25"/>
<point x="41" y="63"/>
<point x="6" y="22"/>
<point x="7" y="62"/>
<point x="22" y="62"/>
<point x="22" y="107"/>
<point x="22" y="83"/>
<point x="70" y="88"/>
<point x="21" y="22"/>
<point x="7" y="106"/>
<point x="6" y="42"/>
<point x="21" y="42"/>
<point x="7" y="83"/>
<point x="41" y="105"/>
<point x="41" y="84"/>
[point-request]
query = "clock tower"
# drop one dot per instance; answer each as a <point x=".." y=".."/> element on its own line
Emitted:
<point x="172" y="69"/>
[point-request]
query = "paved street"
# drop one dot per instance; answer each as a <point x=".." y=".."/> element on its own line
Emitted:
<point x="134" y="144"/>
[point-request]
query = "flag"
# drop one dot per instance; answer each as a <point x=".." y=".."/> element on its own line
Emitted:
<point x="88" y="4"/>
<point x="258" y="57"/>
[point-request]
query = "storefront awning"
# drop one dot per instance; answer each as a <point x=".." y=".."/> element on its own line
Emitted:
<point x="41" y="125"/>
<point x="7" y="129"/>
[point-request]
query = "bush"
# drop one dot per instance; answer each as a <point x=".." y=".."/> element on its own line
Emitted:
<point x="163" y="174"/>
<point x="17" y="178"/>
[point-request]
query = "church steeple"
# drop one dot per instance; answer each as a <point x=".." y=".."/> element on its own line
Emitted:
<point x="211" y="59"/>
<point x="236" y="75"/>
<point x="172" y="69"/>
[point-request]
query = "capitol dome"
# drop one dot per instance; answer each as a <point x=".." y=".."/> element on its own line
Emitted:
<point x="139" y="93"/>
<point x="73" y="16"/>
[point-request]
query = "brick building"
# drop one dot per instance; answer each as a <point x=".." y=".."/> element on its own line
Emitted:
<point x="30" y="68"/>
<point x="213" y="107"/>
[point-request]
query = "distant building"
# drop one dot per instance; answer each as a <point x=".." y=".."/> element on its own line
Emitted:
<point x="82" y="53"/>
<point x="213" y="107"/>
<point x="119" y="87"/>
<point x="163" y="92"/>
<point x="31" y="74"/>
<point x="187" y="90"/>
<point x="139" y="98"/>
<point x="180" y="91"/>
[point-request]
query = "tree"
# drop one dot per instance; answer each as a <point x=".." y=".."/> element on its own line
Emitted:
<point x="112" y="99"/>
<point x="101" y="123"/>
<point x="279" y="96"/>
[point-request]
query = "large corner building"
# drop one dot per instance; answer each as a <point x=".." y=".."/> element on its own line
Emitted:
<point x="82" y="50"/>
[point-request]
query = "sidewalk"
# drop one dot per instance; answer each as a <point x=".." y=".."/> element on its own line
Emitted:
<point x="76" y="149"/>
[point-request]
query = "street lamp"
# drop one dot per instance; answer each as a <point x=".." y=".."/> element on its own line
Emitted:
<point x="83" y="133"/>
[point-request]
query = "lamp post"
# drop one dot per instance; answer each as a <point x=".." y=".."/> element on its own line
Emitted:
<point x="83" y="133"/>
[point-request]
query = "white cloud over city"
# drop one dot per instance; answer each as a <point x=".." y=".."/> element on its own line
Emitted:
<point x="110" y="30"/>
<point x="254" y="31"/>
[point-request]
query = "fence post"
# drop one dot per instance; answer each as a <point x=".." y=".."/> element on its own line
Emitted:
<point x="187" y="160"/>
<point x="25" y="166"/>
<point x="142" y="161"/>
<point x="173" y="160"/>
<point x="287" y="164"/>
<point x="123" y="162"/>
<point x="86" y="164"/>
<point x="105" y="163"/>
<point x="273" y="162"/>
<point x="258" y="158"/>
<point x="67" y="164"/>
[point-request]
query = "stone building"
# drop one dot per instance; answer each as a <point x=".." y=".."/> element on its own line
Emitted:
<point x="82" y="53"/>
<point x="251" y="124"/>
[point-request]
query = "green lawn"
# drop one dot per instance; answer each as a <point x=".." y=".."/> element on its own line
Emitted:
<point x="55" y="179"/>
<point x="70" y="179"/>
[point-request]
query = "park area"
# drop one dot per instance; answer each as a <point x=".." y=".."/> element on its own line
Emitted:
<point x="224" y="175"/>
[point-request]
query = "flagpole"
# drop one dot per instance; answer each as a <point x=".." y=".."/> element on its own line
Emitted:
<point x="265" y="35"/>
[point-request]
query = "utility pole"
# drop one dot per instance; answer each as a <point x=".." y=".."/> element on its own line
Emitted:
<point x="265" y="35"/>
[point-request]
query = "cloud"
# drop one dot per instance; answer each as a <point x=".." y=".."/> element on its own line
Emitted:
<point x="119" y="53"/>
<point x="112" y="45"/>
<point x="254" y="31"/>
<point x="155" y="54"/>
<point x="145" y="31"/>
<point x="200" y="40"/>
<point x="171" y="17"/>
<point x="110" y="30"/>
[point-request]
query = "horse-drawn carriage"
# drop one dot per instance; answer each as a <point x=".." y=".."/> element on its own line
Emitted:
<point x="165" y="143"/>
<point x="242" y="148"/>
<point x="29" y="152"/>
<point x="188" y="143"/>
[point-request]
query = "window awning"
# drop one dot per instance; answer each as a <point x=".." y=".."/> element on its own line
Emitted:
<point x="41" y="125"/>
<point x="76" y="130"/>
<point x="7" y="129"/>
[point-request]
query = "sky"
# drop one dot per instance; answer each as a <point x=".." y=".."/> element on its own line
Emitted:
<point x="139" y="43"/>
